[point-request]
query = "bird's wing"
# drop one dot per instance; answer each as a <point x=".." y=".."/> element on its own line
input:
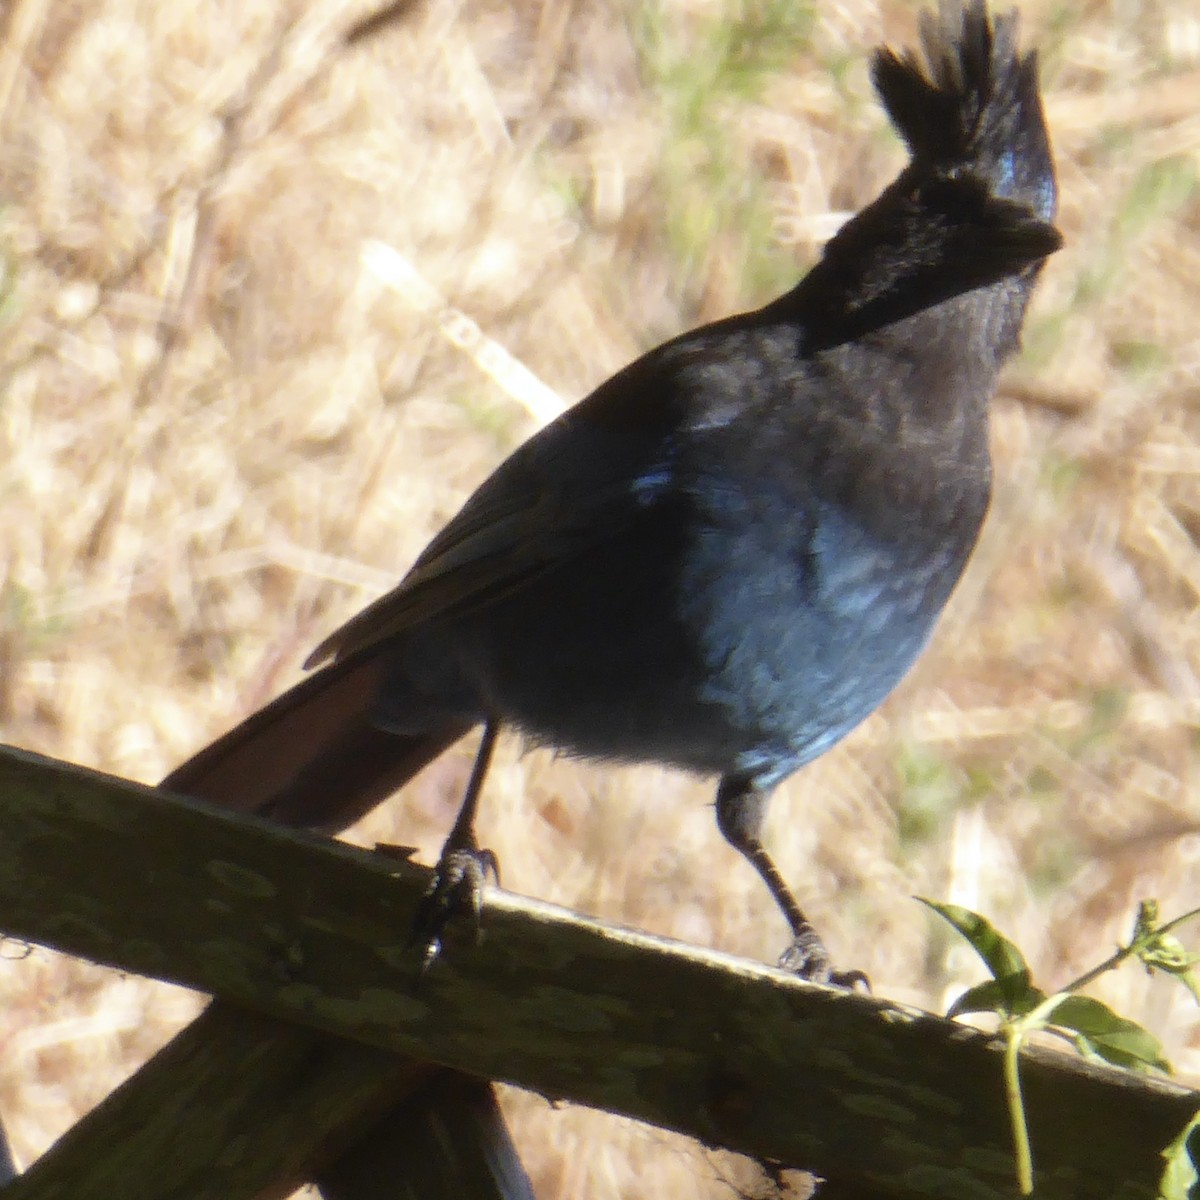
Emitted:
<point x="574" y="485"/>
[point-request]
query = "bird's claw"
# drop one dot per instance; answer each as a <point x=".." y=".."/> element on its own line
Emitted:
<point x="808" y="958"/>
<point x="456" y="888"/>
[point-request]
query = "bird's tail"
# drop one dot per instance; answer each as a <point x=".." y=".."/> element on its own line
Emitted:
<point x="313" y="757"/>
<point x="973" y="107"/>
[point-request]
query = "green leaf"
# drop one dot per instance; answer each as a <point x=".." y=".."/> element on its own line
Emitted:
<point x="1158" y="949"/>
<point x="1167" y="955"/>
<point x="1004" y="997"/>
<point x="1001" y="957"/>
<point x="1101" y="1033"/>
<point x="1181" y="1178"/>
<point x="1146" y="923"/>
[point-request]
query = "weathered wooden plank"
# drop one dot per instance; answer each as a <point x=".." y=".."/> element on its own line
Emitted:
<point x="734" y="1053"/>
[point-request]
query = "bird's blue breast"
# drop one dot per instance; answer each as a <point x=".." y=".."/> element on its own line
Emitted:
<point x="804" y="629"/>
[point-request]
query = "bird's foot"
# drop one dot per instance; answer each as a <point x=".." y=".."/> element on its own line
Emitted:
<point x="456" y="888"/>
<point x="808" y="958"/>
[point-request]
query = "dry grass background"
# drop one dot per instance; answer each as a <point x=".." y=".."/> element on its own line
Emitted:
<point x="221" y="432"/>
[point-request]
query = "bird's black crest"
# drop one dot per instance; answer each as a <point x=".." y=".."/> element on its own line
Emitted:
<point x="973" y="105"/>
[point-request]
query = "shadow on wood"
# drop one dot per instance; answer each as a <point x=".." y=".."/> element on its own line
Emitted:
<point x="448" y="1141"/>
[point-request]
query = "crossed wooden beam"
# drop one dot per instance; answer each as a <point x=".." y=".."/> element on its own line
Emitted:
<point x="327" y="1057"/>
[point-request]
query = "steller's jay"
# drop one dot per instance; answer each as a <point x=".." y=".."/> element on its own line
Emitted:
<point x="727" y="555"/>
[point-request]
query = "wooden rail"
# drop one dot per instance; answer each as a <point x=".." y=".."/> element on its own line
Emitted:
<point x="324" y="1023"/>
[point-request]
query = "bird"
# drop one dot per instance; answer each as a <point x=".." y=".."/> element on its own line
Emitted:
<point x="726" y="556"/>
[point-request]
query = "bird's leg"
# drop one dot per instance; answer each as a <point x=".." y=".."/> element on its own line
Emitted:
<point x="741" y="811"/>
<point x="462" y="868"/>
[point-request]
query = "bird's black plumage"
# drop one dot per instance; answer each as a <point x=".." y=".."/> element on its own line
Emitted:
<point x="728" y="554"/>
